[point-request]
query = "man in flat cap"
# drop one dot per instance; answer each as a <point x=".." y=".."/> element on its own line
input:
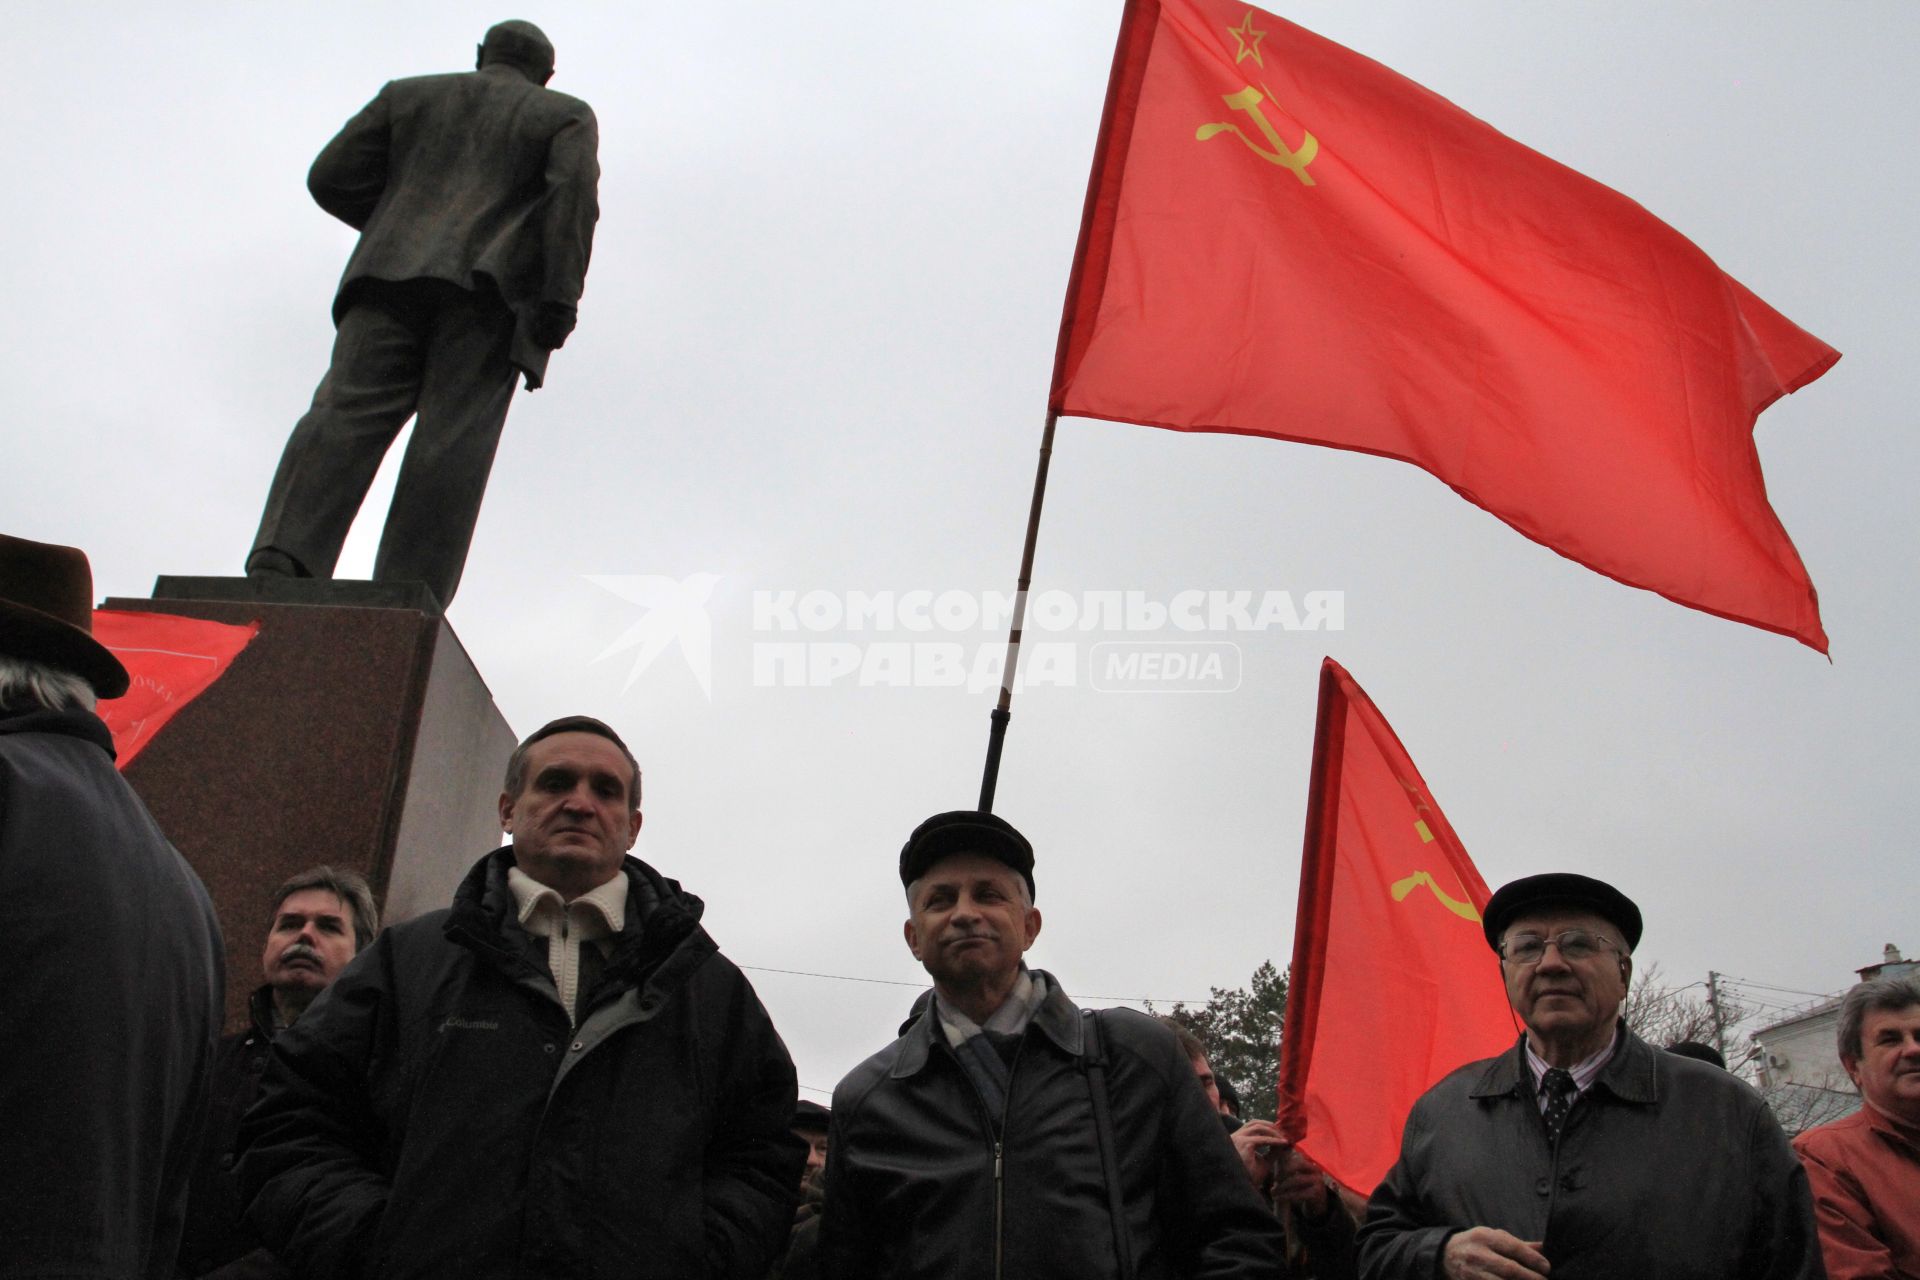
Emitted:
<point x="560" y="1076"/>
<point x="475" y="198"/>
<point x="1008" y="1134"/>
<point x="1583" y="1150"/>
<point x="112" y="971"/>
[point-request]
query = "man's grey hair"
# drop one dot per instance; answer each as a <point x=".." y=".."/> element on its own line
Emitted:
<point x="27" y="686"/>
<point x="1020" y="889"/>
<point x="1876" y="995"/>
<point x="349" y="886"/>
<point x="517" y="762"/>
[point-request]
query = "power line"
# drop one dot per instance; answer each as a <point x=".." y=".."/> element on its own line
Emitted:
<point x="1767" y="986"/>
<point x="837" y="977"/>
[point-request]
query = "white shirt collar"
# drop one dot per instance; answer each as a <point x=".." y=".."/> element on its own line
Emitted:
<point x="1584" y="1072"/>
<point x="597" y="914"/>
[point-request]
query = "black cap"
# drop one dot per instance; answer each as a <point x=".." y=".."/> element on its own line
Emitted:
<point x="1560" y="889"/>
<point x="808" y="1114"/>
<point x="965" y="831"/>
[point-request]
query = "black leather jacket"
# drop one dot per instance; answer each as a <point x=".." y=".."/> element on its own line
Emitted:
<point x="920" y="1185"/>
<point x="434" y="1114"/>
<point x="1667" y="1167"/>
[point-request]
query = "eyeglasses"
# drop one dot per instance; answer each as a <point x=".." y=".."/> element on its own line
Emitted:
<point x="1575" y="945"/>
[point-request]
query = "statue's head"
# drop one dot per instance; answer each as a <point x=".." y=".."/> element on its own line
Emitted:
<point x="520" y="45"/>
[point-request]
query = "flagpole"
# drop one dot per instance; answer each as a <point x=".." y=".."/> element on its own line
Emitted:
<point x="1002" y="713"/>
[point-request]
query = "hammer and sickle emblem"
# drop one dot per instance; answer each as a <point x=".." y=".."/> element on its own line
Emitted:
<point x="1249" y="100"/>
<point x="1401" y="888"/>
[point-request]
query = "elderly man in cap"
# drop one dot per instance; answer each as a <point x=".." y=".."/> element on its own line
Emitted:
<point x="1006" y="1133"/>
<point x="559" y="1076"/>
<point x="111" y="963"/>
<point x="1583" y="1150"/>
<point x="1865" y="1169"/>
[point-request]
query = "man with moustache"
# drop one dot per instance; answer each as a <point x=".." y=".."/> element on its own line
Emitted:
<point x="1006" y="1133"/>
<point x="559" y="1076"/>
<point x="1583" y="1150"/>
<point x="321" y="918"/>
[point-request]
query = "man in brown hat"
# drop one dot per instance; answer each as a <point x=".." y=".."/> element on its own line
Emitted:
<point x="1583" y="1150"/>
<point x="111" y="1001"/>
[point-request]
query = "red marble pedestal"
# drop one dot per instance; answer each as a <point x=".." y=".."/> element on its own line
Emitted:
<point x="354" y="730"/>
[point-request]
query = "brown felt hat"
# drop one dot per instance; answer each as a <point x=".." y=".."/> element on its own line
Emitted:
<point x="46" y="613"/>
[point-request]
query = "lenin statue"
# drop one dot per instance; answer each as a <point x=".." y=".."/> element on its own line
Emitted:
<point x="475" y="198"/>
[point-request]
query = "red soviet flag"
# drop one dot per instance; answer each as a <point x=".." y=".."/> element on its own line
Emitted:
<point x="1393" y="984"/>
<point x="1283" y="238"/>
<point x="172" y="661"/>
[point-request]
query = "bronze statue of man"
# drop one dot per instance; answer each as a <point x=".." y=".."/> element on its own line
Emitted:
<point x="475" y="198"/>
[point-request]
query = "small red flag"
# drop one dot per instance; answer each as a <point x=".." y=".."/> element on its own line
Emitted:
<point x="1393" y="984"/>
<point x="1283" y="238"/>
<point x="172" y="661"/>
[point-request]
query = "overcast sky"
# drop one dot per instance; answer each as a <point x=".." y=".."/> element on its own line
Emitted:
<point x="813" y="356"/>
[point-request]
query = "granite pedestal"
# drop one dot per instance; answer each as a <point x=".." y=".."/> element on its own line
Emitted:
<point x="354" y="730"/>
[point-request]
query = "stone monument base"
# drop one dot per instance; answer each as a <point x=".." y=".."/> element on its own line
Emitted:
<point x="354" y="730"/>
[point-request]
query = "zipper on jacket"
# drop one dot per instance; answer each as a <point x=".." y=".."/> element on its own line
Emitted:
<point x="999" y="1203"/>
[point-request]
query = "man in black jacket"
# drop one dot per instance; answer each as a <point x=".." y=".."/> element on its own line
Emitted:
<point x="1583" y="1150"/>
<point x="1008" y="1135"/>
<point x="560" y="1076"/>
<point x="322" y="917"/>
<point x="112" y="970"/>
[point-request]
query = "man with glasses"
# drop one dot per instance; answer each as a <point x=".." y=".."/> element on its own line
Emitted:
<point x="1583" y="1150"/>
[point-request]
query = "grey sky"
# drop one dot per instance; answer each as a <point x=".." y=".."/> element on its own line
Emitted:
<point x="813" y="356"/>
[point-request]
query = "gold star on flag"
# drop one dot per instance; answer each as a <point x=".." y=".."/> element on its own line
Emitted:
<point x="1249" y="41"/>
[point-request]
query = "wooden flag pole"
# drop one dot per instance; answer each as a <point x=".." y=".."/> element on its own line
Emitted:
<point x="997" y="733"/>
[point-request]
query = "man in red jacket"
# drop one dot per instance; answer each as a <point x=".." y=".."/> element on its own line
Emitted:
<point x="1865" y="1169"/>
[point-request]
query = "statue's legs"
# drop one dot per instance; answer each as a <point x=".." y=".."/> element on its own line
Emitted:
<point x="366" y="397"/>
<point x="464" y="393"/>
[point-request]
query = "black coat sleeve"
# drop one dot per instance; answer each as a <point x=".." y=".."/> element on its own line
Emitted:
<point x="1398" y="1239"/>
<point x="847" y="1246"/>
<point x="1228" y="1231"/>
<point x="312" y="1149"/>
<point x="1786" y="1243"/>
<point x="754" y="1160"/>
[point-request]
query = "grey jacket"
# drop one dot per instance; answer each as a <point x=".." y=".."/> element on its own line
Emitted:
<point x="1667" y="1167"/>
